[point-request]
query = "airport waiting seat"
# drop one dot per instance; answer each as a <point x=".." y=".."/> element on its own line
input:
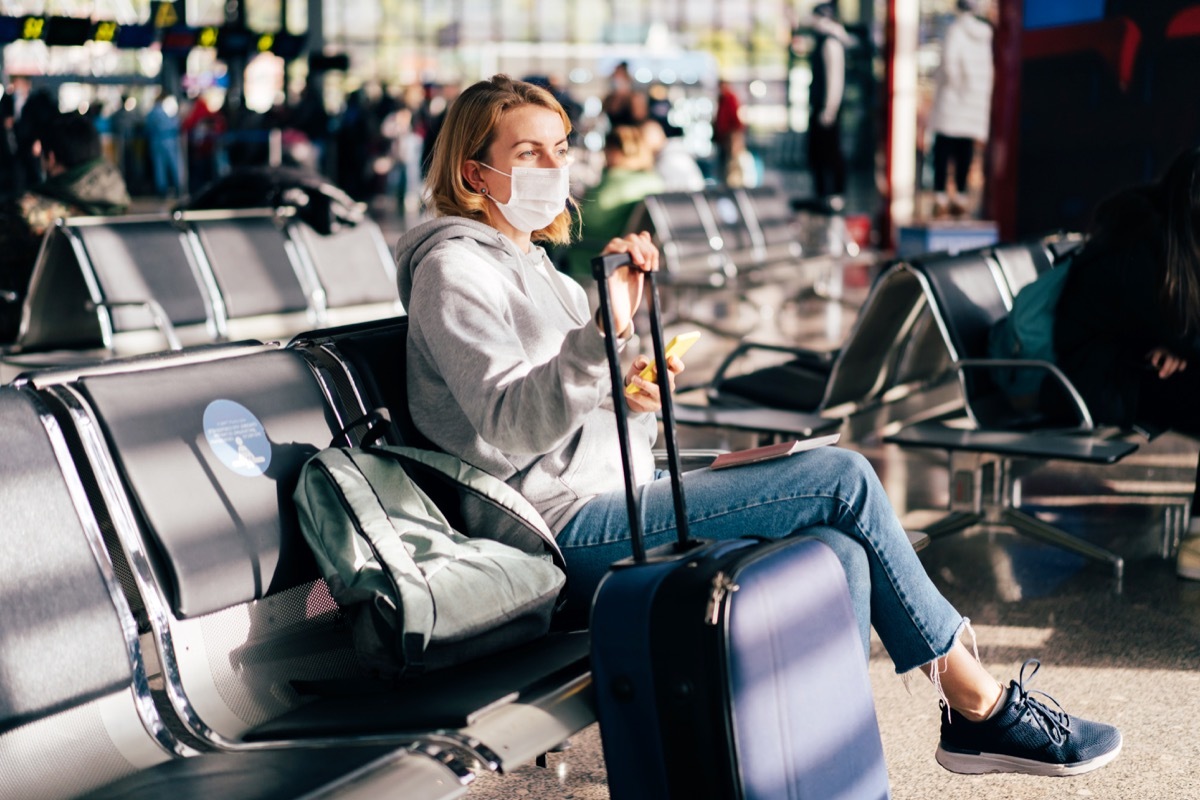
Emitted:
<point x="264" y="290"/>
<point x="892" y="366"/>
<point x="255" y="653"/>
<point x="367" y="371"/>
<point x="110" y="286"/>
<point x="1022" y="262"/>
<point x="686" y="232"/>
<point x="762" y="250"/>
<point x="699" y="280"/>
<point x="77" y="712"/>
<point x="354" y="268"/>
<point x="102" y="281"/>
<point x="774" y="222"/>
<point x="995" y="443"/>
<point x="75" y="708"/>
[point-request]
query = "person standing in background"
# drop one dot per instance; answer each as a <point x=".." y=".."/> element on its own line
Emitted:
<point x="729" y="134"/>
<point x="204" y="127"/>
<point x="962" y="104"/>
<point x="624" y="105"/>
<point x="826" y="161"/>
<point x="166" y="152"/>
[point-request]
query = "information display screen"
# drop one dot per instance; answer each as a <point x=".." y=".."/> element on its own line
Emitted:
<point x="66" y="31"/>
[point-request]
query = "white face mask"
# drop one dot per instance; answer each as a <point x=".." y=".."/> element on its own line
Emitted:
<point x="539" y="195"/>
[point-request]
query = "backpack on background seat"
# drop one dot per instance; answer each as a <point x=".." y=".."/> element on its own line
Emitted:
<point x="427" y="584"/>
<point x="1028" y="333"/>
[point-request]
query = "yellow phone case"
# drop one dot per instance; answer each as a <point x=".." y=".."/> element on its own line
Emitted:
<point x="676" y="347"/>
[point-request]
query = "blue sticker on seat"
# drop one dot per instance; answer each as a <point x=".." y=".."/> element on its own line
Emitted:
<point x="237" y="438"/>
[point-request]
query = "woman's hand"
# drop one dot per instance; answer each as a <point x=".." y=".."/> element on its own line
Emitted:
<point x="625" y="285"/>
<point x="1165" y="362"/>
<point x="649" y="398"/>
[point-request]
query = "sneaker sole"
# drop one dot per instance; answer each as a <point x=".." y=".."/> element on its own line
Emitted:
<point x="985" y="763"/>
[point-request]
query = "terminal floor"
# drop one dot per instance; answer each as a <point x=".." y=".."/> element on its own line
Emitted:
<point x="1130" y="657"/>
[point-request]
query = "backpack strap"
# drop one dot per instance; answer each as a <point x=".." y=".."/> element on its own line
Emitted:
<point x="378" y="422"/>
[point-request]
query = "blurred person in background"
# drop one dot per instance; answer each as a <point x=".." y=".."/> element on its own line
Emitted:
<point x="356" y="133"/>
<point x="628" y="176"/>
<point x="729" y="135"/>
<point x="78" y="182"/>
<point x="310" y="117"/>
<point x="673" y="162"/>
<point x="163" y="129"/>
<point x="624" y="104"/>
<point x="962" y="104"/>
<point x="204" y="126"/>
<point x="826" y="161"/>
<point x="32" y="111"/>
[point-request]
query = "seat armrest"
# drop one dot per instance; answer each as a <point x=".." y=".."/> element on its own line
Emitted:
<point x="162" y="322"/>
<point x="1080" y="406"/>
<point x="688" y="459"/>
<point x="818" y="359"/>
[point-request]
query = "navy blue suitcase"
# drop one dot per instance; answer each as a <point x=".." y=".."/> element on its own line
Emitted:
<point x="727" y="669"/>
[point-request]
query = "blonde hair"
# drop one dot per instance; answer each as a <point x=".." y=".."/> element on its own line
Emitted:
<point x="629" y="142"/>
<point x="466" y="135"/>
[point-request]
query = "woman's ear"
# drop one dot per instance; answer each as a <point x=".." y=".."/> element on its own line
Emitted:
<point x="472" y="176"/>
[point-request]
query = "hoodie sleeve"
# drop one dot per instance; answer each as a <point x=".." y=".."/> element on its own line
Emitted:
<point x="460" y="306"/>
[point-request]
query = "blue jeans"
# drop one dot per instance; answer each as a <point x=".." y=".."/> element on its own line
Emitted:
<point x="830" y="493"/>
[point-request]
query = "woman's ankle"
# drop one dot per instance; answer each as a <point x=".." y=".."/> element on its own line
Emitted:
<point x="979" y="714"/>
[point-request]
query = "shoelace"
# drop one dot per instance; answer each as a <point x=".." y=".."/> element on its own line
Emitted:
<point x="1055" y="724"/>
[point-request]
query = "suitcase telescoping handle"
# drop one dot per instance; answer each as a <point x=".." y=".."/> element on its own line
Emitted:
<point x="602" y="268"/>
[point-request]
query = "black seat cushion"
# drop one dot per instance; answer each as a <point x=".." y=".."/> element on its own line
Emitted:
<point x="796" y="385"/>
<point x="445" y="699"/>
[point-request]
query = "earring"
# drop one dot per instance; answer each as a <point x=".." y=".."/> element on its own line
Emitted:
<point x="483" y="190"/>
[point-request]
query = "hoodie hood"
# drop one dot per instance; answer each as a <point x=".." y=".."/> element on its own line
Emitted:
<point x="416" y="243"/>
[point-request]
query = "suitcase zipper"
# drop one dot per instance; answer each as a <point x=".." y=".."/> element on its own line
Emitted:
<point x="722" y="585"/>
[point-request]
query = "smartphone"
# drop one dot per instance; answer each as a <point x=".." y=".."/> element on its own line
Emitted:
<point x="676" y="347"/>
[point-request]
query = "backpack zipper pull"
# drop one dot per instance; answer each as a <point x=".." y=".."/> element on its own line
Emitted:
<point x="722" y="585"/>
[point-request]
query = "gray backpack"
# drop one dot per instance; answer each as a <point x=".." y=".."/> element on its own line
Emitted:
<point x="423" y="592"/>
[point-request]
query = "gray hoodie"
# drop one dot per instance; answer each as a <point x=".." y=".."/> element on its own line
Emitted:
<point x="507" y="369"/>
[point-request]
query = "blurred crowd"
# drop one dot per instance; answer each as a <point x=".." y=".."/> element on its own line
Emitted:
<point x="375" y="141"/>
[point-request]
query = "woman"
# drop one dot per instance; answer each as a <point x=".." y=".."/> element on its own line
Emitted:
<point x="507" y="370"/>
<point x="1127" y="325"/>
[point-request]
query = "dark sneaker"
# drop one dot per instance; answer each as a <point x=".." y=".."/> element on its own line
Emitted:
<point x="1026" y="736"/>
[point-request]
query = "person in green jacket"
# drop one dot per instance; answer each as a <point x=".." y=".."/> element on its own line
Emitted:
<point x="629" y="176"/>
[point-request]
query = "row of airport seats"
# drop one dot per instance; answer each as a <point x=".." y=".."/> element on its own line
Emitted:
<point x="996" y="441"/>
<point x="166" y="631"/>
<point x="721" y="242"/>
<point x="113" y="286"/>
<point x="915" y="371"/>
